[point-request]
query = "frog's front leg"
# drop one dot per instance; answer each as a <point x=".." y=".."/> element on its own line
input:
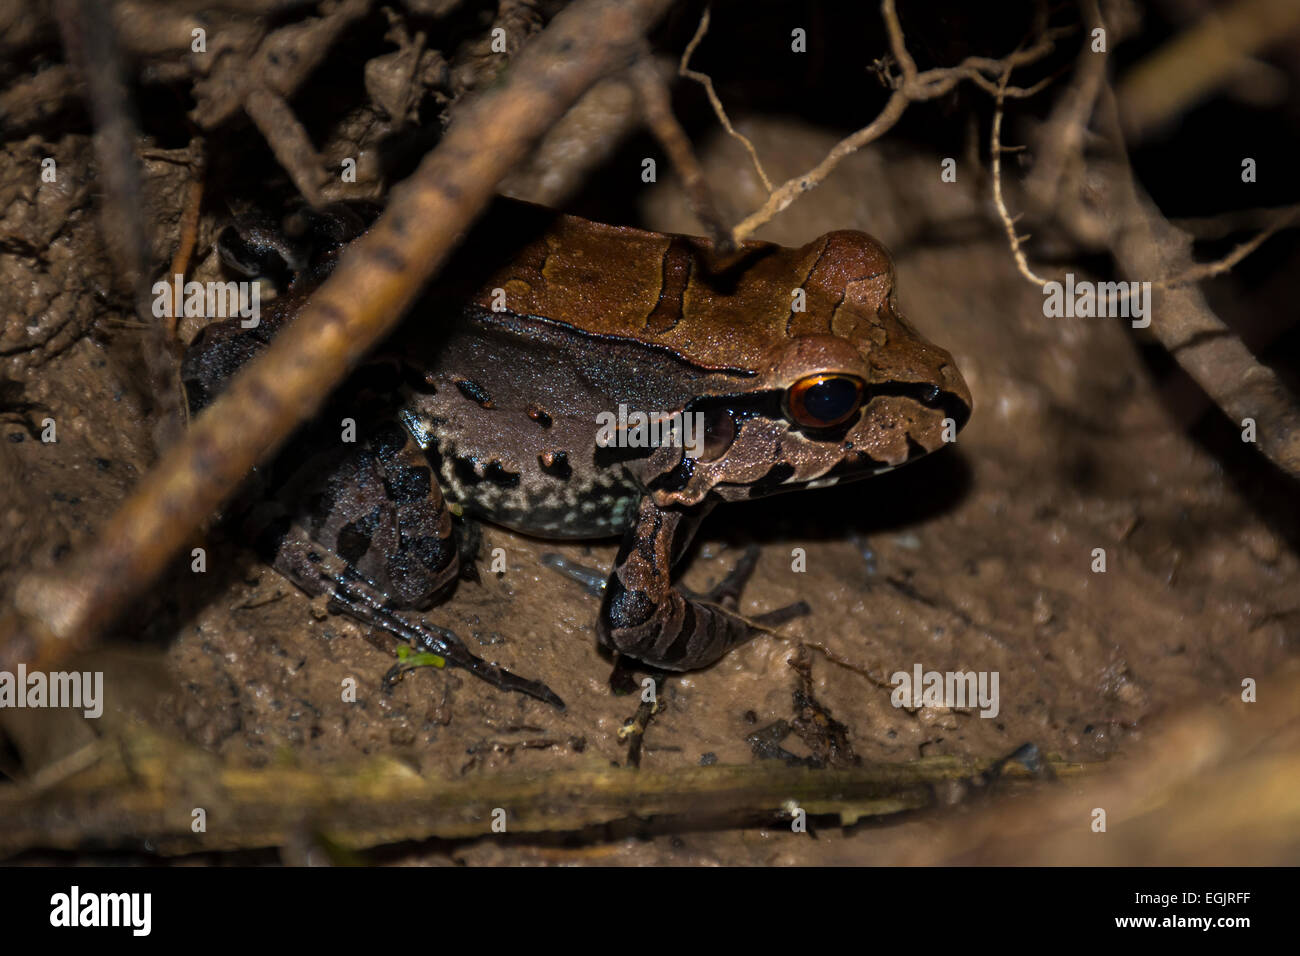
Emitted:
<point x="644" y="616"/>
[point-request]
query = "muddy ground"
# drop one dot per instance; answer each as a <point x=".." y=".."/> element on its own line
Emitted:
<point x="977" y="558"/>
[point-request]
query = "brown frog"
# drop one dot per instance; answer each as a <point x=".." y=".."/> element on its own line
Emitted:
<point x="570" y="379"/>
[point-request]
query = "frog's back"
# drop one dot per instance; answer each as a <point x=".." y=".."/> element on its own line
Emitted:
<point x="675" y="292"/>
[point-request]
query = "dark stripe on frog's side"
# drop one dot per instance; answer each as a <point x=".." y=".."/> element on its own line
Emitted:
<point x="676" y="265"/>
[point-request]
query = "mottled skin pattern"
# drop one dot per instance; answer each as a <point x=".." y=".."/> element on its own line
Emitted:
<point x="544" y="322"/>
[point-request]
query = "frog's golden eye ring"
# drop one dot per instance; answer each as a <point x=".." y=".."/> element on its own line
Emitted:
<point x="823" y="401"/>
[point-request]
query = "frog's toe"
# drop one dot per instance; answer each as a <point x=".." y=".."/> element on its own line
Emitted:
<point x="726" y="593"/>
<point x="591" y="579"/>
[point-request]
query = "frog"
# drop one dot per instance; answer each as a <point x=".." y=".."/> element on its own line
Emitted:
<point x="494" y="399"/>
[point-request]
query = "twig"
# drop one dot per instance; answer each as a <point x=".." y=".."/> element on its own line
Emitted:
<point x="1062" y="138"/>
<point x="1225" y="224"/>
<point x="188" y="236"/>
<point x="289" y="142"/>
<point x="282" y="62"/>
<point x="663" y="124"/>
<point x="1208" y="270"/>
<point x="262" y="82"/>
<point x="707" y="82"/>
<point x="376" y="280"/>
<point x="147" y="788"/>
<point x="1144" y="244"/>
<point x="911" y="87"/>
<point x="91" y="41"/>
<point x="996" y="149"/>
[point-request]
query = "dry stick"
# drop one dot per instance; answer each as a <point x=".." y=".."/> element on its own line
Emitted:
<point x="186" y="240"/>
<point x="1208" y="270"/>
<point x="282" y="62"/>
<point x="996" y="149"/>
<point x="1224" y="224"/>
<point x="91" y="44"/>
<point x="1062" y="137"/>
<point x="261" y="83"/>
<point x="145" y="787"/>
<point x="362" y="301"/>
<point x="911" y="87"/>
<point x="289" y="142"/>
<point x="659" y="117"/>
<point x="706" y="81"/>
<point x="1145" y="244"/>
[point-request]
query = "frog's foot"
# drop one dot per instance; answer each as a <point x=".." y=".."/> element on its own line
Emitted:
<point x="726" y="593"/>
<point x="592" y="581"/>
<point x="318" y="571"/>
<point x="645" y="617"/>
<point x="438" y="643"/>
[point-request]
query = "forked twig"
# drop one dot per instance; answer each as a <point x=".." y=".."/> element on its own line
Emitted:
<point x="707" y="82"/>
<point x="657" y="107"/>
<point x="912" y="86"/>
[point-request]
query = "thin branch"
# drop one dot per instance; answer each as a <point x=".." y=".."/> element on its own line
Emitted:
<point x="1144" y="244"/>
<point x="707" y="82"/>
<point x="289" y="142"/>
<point x="185" y="242"/>
<point x="657" y="107"/>
<point x="1208" y="270"/>
<point x="910" y="87"/>
<point x="145" y="787"/>
<point x="996" y="149"/>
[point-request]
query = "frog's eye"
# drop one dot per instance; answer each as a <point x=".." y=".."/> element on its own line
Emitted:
<point x="823" y="401"/>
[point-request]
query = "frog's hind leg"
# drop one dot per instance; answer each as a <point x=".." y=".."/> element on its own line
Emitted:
<point x="365" y="523"/>
<point x="376" y="504"/>
<point x="645" y="617"/>
<point x="318" y="571"/>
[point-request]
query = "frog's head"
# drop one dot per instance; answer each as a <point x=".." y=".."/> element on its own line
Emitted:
<point x="859" y="392"/>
